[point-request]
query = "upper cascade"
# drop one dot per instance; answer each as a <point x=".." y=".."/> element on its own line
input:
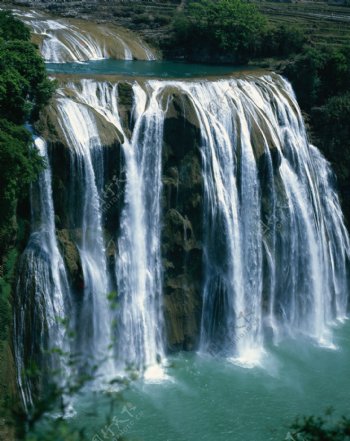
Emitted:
<point x="64" y="40"/>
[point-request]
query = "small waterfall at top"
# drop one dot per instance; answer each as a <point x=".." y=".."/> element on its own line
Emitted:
<point x="127" y="51"/>
<point x="42" y="293"/>
<point x="63" y="40"/>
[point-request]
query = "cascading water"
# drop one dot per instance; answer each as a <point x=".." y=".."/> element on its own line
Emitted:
<point x="42" y="293"/>
<point x="93" y="315"/>
<point x="63" y="40"/>
<point x="267" y="253"/>
<point x="265" y="206"/>
<point x="139" y="272"/>
<point x="232" y="222"/>
<point x="275" y="248"/>
<point x="138" y="269"/>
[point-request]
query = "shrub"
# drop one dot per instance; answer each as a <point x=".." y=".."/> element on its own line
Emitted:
<point x="320" y="429"/>
<point x="319" y="73"/>
<point x="232" y="27"/>
<point x="24" y="86"/>
<point x="24" y="90"/>
<point x="283" y="40"/>
<point x="11" y="28"/>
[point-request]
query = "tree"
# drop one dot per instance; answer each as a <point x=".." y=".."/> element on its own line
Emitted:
<point x="11" y="28"/>
<point x="24" y="86"/>
<point x="24" y="90"/>
<point x="232" y="27"/>
<point x="282" y="41"/>
<point x="318" y="74"/>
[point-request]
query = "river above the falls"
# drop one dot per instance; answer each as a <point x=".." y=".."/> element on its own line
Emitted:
<point x="159" y="69"/>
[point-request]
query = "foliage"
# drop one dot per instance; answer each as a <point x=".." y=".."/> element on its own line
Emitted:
<point x="331" y="126"/>
<point x="19" y="165"/>
<point x="233" y="27"/>
<point x="282" y="41"/>
<point x="320" y="429"/>
<point x="11" y="28"/>
<point x="332" y="122"/>
<point x="319" y="73"/>
<point x="24" y="90"/>
<point x="24" y="86"/>
<point x="321" y="80"/>
<point x="5" y="291"/>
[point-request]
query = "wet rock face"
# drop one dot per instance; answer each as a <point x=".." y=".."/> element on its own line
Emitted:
<point x="68" y="205"/>
<point x="70" y="254"/>
<point x="182" y="227"/>
<point x="125" y="102"/>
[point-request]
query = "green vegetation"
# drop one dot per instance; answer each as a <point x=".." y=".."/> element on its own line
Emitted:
<point x="233" y="30"/>
<point x="322" y="22"/>
<point x="11" y="28"/>
<point x="24" y="87"/>
<point x="19" y="165"/>
<point x="319" y="73"/>
<point x="320" y="429"/>
<point x="24" y="90"/>
<point x="225" y="27"/>
<point x="282" y="40"/>
<point x="321" y="79"/>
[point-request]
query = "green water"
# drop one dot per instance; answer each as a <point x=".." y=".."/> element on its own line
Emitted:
<point x="206" y="399"/>
<point x="159" y="69"/>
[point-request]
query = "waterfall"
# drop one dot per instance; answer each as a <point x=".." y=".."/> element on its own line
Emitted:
<point x="275" y="248"/>
<point x="127" y="51"/>
<point x="231" y="221"/>
<point x="150" y="56"/>
<point x="42" y="293"/>
<point x="93" y="315"/>
<point x="138" y="269"/>
<point x="62" y="40"/>
<point x="270" y="267"/>
<point x="267" y="198"/>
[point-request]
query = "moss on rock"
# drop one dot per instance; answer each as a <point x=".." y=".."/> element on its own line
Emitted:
<point x="182" y="223"/>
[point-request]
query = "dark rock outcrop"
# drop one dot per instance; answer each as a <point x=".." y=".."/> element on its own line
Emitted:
<point x="182" y="224"/>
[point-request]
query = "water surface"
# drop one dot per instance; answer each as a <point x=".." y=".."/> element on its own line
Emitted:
<point x="160" y="69"/>
<point x="208" y="399"/>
